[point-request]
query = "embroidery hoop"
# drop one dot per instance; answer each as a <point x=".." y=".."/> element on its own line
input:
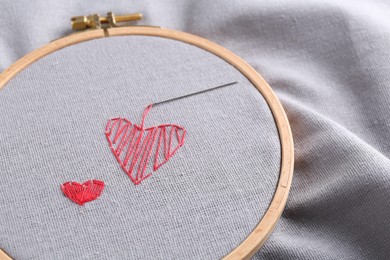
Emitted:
<point x="261" y="232"/>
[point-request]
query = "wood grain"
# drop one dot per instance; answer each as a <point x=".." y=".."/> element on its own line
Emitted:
<point x="4" y="256"/>
<point x="256" y="239"/>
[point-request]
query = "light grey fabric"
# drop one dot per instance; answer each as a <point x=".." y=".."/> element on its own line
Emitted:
<point x="328" y="62"/>
<point x="201" y="204"/>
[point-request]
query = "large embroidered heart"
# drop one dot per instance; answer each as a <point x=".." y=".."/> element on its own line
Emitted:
<point x="82" y="193"/>
<point x="141" y="150"/>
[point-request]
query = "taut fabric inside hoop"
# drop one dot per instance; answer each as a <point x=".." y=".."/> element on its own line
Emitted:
<point x="203" y="202"/>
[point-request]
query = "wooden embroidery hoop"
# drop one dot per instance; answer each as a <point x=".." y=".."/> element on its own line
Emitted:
<point x="258" y="236"/>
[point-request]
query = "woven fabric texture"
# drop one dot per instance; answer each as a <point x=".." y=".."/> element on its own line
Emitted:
<point x="202" y="203"/>
<point x="327" y="60"/>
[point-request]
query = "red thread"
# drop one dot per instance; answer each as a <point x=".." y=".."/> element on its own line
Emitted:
<point x="83" y="193"/>
<point x="134" y="146"/>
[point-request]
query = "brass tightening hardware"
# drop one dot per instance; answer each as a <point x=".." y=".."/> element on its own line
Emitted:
<point x="94" y="21"/>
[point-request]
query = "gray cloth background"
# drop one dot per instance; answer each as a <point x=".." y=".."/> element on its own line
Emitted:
<point x="328" y="62"/>
<point x="199" y="205"/>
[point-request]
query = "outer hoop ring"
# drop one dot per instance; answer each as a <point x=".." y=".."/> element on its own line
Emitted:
<point x="258" y="236"/>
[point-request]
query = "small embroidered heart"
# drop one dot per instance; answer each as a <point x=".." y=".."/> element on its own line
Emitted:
<point x="135" y="147"/>
<point x="82" y="193"/>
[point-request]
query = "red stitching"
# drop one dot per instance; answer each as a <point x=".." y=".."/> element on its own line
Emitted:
<point x="83" y="193"/>
<point x="133" y="145"/>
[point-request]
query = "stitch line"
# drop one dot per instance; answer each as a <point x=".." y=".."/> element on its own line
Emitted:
<point x="133" y="145"/>
<point x="83" y="193"/>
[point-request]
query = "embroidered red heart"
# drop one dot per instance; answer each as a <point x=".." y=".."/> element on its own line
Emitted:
<point x="135" y="146"/>
<point x="83" y="193"/>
